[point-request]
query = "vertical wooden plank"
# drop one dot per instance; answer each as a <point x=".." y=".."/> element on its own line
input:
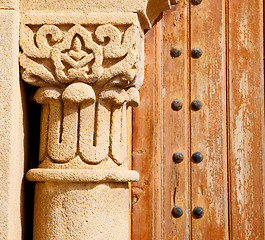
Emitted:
<point x="158" y="133"/>
<point x="246" y="84"/>
<point x="176" y="123"/>
<point x="129" y="157"/>
<point x="143" y="150"/>
<point x="147" y="130"/>
<point x="208" y="125"/>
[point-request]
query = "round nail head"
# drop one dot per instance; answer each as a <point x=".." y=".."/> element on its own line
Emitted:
<point x="198" y="212"/>
<point x="176" y="105"/>
<point x="197" y="157"/>
<point x="196" y="52"/>
<point x="178" y="157"/>
<point x="196" y="2"/>
<point x="196" y="105"/>
<point x="177" y="212"/>
<point x="175" y="52"/>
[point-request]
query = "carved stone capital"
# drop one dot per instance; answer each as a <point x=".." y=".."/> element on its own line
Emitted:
<point x="99" y="49"/>
<point x="89" y="70"/>
<point x="87" y="58"/>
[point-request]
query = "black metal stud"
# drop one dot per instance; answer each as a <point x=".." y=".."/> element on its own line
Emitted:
<point x="196" y="2"/>
<point x="196" y="52"/>
<point x="176" y="105"/>
<point x="175" y="2"/>
<point x="196" y="105"/>
<point x="178" y="157"/>
<point x="177" y="212"/>
<point x="198" y="212"/>
<point x="175" y="52"/>
<point x="197" y="157"/>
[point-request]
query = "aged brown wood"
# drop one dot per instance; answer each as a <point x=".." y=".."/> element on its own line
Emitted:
<point x="129" y="154"/>
<point x="142" y="198"/>
<point x="246" y="126"/>
<point x="228" y="130"/>
<point x="157" y="133"/>
<point x="147" y="196"/>
<point x="208" y="125"/>
<point x="176" y="124"/>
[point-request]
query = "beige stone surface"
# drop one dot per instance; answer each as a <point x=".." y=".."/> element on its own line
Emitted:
<point x="11" y="129"/>
<point x="82" y="175"/>
<point x="88" y="68"/>
<point x="147" y="9"/>
<point x="87" y="57"/>
<point x="83" y="211"/>
<point x="9" y="4"/>
<point x="98" y="48"/>
<point x="69" y="131"/>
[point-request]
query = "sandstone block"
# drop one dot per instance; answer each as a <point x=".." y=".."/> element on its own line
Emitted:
<point x="11" y="128"/>
<point x="9" y="4"/>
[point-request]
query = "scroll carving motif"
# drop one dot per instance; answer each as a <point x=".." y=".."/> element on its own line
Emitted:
<point x="52" y="56"/>
<point x="87" y="75"/>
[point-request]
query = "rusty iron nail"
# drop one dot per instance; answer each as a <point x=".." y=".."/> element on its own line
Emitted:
<point x="196" y="105"/>
<point x="177" y="212"/>
<point x="197" y="157"/>
<point x="176" y="105"/>
<point x="198" y="212"/>
<point x="175" y="52"/>
<point x="196" y="2"/>
<point x="196" y="52"/>
<point x="178" y="157"/>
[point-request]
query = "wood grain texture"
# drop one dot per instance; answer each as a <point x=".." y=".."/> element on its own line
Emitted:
<point x="147" y="196"/>
<point x="246" y="127"/>
<point x="142" y="191"/>
<point x="176" y="124"/>
<point x="208" y="125"/>
<point x="157" y="140"/>
<point x="228" y="130"/>
<point x="129" y="157"/>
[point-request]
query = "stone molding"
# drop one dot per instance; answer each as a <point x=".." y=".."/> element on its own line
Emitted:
<point x="147" y="10"/>
<point x="83" y="175"/>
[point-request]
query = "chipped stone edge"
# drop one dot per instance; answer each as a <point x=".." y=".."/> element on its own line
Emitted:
<point x="84" y="175"/>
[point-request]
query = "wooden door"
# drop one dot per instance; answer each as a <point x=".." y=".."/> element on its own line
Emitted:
<point x="228" y="130"/>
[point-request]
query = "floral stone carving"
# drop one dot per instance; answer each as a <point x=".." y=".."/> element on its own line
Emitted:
<point x="88" y="70"/>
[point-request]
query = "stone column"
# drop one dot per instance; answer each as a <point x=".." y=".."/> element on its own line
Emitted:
<point x="11" y="124"/>
<point x="87" y="59"/>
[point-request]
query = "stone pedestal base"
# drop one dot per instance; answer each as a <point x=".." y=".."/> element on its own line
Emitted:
<point x="81" y="211"/>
